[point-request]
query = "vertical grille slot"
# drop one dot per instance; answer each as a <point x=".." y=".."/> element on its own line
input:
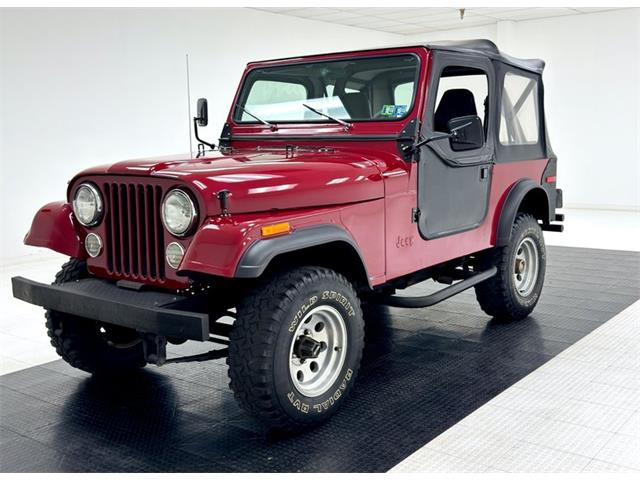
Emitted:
<point x="134" y="231"/>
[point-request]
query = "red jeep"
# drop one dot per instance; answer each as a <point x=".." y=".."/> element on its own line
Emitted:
<point x="338" y="178"/>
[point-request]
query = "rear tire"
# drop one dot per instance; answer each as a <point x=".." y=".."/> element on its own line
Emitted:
<point x="296" y="347"/>
<point x="88" y="345"/>
<point x="514" y="291"/>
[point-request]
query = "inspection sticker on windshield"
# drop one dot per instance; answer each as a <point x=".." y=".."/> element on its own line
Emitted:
<point x="393" y="111"/>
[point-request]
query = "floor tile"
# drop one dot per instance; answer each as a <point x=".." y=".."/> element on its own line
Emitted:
<point x="432" y="461"/>
<point x="621" y="450"/>
<point x="598" y="466"/>
<point x="530" y="458"/>
<point x="426" y="374"/>
<point x="567" y="437"/>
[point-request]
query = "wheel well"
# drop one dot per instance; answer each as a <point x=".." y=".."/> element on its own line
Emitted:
<point x="339" y="256"/>
<point x="536" y="203"/>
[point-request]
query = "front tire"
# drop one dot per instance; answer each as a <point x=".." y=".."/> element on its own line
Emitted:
<point x="296" y="347"/>
<point x="89" y="345"/>
<point x="514" y="291"/>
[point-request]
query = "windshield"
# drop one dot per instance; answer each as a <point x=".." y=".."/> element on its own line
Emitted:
<point x="360" y="89"/>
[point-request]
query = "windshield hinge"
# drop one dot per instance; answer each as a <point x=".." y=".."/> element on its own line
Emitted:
<point x="415" y="215"/>
<point x="407" y="137"/>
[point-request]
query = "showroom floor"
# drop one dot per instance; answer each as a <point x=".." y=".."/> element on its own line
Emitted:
<point x="558" y="392"/>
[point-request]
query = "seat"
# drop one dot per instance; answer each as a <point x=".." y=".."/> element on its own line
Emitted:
<point x="357" y="105"/>
<point x="457" y="102"/>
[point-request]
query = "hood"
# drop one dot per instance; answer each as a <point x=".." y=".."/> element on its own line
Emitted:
<point x="261" y="181"/>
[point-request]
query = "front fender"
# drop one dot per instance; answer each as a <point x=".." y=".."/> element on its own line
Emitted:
<point x="235" y="248"/>
<point x="53" y="228"/>
<point x="216" y="247"/>
<point x="258" y="256"/>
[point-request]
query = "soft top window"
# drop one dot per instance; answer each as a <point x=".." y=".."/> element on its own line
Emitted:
<point x="356" y="89"/>
<point x="461" y="91"/>
<point x="519" y="118"/>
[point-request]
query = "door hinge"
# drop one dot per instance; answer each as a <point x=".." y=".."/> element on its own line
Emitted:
<point x="415" y="215"/>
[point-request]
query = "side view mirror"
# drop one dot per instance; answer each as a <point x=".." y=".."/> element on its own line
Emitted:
<point x="466" y="133"/>
<point x="201" y="120"/>
<point x="203" y="113"/>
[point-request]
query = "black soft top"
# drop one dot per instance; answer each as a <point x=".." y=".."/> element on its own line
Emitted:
<point x="488" y="49"/>
<point x="476" y="47"/>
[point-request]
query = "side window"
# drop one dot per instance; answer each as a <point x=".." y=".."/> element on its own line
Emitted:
<point x="519" y="111"/>
<point x="462" y="91"/>
<point x="403" y="93"/>
<point x="269" y="93"/>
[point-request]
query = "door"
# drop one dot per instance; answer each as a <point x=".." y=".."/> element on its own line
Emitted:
<point x="454" y="186"/>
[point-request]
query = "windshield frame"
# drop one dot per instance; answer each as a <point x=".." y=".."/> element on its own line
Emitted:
<point x="244" y="90"/>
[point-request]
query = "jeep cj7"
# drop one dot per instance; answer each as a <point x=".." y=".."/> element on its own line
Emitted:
<point x="337" y="178"/>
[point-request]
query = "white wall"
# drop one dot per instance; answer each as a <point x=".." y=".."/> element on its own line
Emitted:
<point x="85" y="87"/>
<point x="592" y="93"/>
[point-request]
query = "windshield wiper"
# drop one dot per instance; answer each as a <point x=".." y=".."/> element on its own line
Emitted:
<point x="346" y="125"/>
<point x="272" y="126"/>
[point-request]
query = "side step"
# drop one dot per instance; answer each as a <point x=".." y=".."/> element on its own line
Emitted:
<point x="439" y="296"/>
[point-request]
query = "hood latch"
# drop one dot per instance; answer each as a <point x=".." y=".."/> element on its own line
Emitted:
<point x="223" y="196"/>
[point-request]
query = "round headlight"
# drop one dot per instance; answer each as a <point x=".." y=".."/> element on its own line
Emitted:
<point x="87" y="205"/>
<point x="178" y="212"/>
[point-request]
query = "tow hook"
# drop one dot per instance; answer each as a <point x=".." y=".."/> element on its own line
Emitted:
<point x="154" y="348"/>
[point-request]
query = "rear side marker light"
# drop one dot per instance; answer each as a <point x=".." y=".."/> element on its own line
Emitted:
<point x="275" y="229"/>
<point x="551" y="179"/>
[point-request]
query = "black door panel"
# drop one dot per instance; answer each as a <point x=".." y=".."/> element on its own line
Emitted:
<point x="451" y="199"/>
<point x="454" y="187"/>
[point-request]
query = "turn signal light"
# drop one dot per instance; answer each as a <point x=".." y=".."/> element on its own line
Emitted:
<point x="275" y="229"/>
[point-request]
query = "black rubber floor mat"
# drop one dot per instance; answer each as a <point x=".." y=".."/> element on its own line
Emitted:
<point x="423" y="371"/>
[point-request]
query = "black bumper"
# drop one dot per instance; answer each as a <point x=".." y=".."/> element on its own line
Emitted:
<point x="161" y="313"/>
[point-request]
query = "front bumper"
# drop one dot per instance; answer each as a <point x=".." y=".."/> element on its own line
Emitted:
<point x="160" y="313"/>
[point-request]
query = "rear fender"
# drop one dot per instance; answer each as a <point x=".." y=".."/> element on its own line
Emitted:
<point x="512" y="205"/>
<point x="53" y="228"/>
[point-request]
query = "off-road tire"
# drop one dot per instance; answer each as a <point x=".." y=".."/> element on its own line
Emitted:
<point x="79" y="341"/>
<point x="260" y="340"/>
<point x="498" y="296"/>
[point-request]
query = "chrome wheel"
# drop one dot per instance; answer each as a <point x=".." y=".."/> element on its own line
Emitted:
<point x="526" y="267"/>
<point x="318" y="350"/>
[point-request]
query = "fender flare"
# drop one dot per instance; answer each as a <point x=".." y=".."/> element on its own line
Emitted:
<point x="257" y="257"/>
<point x="53" y="228"/>
<point x="510" y="209"/>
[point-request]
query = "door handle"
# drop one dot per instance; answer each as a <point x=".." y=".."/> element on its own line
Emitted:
<point x="484" y="173"/>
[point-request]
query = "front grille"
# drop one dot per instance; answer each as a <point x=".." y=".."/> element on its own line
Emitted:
<point x="134" y="231"/>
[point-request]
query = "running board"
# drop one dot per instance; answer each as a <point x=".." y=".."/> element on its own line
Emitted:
<point x="439" y="296"/>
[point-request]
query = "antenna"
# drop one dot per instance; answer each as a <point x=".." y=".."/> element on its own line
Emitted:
<point x="189" y="106"/>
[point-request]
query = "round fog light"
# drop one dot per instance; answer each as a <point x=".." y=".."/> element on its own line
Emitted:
<point x="93" y="244"/>
<point x="174" y="254"/>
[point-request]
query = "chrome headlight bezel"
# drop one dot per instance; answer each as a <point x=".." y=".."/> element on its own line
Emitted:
<point x="184" y="196"/>
<point x="168" y="255"/>
<point x="98" y="239"/>
<point x="99" y="205"/>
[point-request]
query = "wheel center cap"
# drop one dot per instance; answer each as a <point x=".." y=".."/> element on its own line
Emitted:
<point x="306" y="347"/>
<point x="520" y="265"/>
